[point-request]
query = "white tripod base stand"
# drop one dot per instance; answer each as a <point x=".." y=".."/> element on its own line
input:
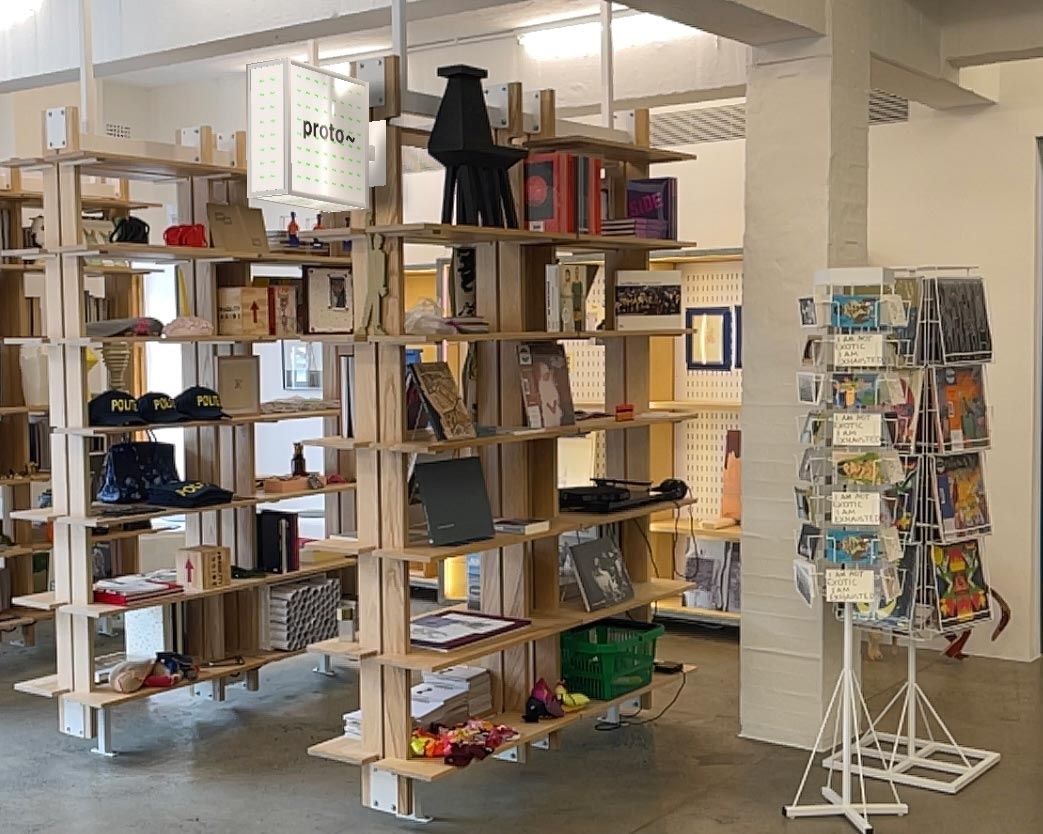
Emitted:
<point x="848" y="708"/>
<point x="914" y="761"/>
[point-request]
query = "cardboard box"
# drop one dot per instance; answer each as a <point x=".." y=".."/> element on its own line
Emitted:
<point x="236" y="228"/>
<point x="204" y="567"/>
<point x="295" y="484"/>
<point x="242" y="311"/>
<point x="239" y="384"/>
<point x="282" y="311"/>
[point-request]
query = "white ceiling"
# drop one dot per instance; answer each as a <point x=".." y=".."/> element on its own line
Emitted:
<point x="483" y="22"/>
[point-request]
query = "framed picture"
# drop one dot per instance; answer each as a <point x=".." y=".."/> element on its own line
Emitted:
<point x="301" y="365"/>
<point x="709" y="348"/>
<point x="239" y="384"/>
<point x="330" y="300"/>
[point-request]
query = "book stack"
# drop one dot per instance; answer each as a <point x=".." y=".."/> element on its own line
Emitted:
<point x="652" y="204"/>
<point x="430" y="704"/>
<point x="300" y="613"/>
<point x="634" y="227"/>
<point x="473" y="681"/>
<point x="134" y="588"/>
<point x="468" y="324"/>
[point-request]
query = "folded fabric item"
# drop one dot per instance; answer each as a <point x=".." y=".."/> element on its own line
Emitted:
<point x="138" y="326"/>
<point x="199" y="403"/>
<point x="113" y="408"/>
<point x="188" y="326"/>
<point x="154" y="407"/>
<point x="130" y="675"/>
<point x="188" y="494"/>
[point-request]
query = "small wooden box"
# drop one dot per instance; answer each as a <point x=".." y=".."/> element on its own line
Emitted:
<point x="297" y="483"/>
<point x="242" y="311"/>
<point x="204" y="567"/>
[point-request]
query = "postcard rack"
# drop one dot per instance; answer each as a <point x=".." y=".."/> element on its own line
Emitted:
<point x="519" y="573"/>
<point x="943" y="428"/>
<point x="226" y="621"/>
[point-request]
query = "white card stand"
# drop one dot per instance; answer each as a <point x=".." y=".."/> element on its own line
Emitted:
<point x="848" y="708"/>
<point x="910" y="757"/>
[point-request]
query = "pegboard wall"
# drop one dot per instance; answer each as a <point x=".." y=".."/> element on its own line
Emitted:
<point x="699" y="444"/>
<point x="699" y="453"/>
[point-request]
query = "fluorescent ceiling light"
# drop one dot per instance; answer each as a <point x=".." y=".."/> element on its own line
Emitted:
<point x="583" y="40"/>
<point x="13" y="12"/>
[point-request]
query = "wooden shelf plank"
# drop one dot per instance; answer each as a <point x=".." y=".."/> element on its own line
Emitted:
<point x="45" y="601"/>
<point x="431" y="770"/>
<point x="349" y="649"/>
<point x="343" y="749"/>
<point x="645" y="593"/>
<point x="445" y="234"/>
<point x="100" y="609"/>
<point x="687" y="527"/>
<point x="103" y="163"/>
<point x="544" y="624"/>
<point x="240" y="420"/>
<point x="16" y="551"/>
<point x="341" y="444"/>
<point x="237" y="503"/>
<point x="524" y="336"/>
<point x="150" y="252"/>
<point x="607" y="149"/>
<point x="104" y="696"/>
<point x="564" y="522"/>
<point x="13" y="410"/>
<point x="672" y="609"/>
<point x="45" y="687"/>
<point x="429" y="445"/>
<point x="34" y="199"/>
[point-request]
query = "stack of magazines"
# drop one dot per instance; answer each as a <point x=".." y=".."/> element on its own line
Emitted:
<point x="473" y="681"/>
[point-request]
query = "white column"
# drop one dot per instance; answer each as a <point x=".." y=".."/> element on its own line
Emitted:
<point x="806" y="194"/>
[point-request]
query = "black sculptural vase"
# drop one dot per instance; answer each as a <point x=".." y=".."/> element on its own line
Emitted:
<point x="475" y="168"/>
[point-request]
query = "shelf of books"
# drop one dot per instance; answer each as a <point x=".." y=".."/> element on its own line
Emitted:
<point x="242" y="593"/>
<point x="439" y="477"/>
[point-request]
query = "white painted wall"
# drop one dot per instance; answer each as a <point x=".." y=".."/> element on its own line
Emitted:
<point x="960" y="188"/>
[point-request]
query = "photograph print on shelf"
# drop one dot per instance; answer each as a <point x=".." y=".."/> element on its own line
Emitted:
<point x="960" y="495"/>
<point x="855" y="312"/>
<point x="546" y="392"/>
<point x="809" y="388"/>
<point x="894" y="614"/>
<point x="962" y="418"/>
<point x="962" y="591"/>
<point x="964" y="320"/>
<point x="447" y="415"/>
<point x="709" y="347"/>
<point x="808" y="311"/>
<point x="649" y="300"/>
<point x="601" y="573"/>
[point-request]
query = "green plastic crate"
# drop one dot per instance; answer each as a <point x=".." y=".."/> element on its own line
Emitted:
<point x="609" y="658"/>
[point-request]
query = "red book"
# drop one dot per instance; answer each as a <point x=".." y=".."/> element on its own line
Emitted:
<point x="548" y="193"/>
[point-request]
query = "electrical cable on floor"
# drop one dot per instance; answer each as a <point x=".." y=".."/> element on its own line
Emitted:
<point x="626" y="720"/>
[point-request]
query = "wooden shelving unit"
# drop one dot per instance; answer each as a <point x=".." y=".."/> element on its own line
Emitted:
<point x="216" y="624"/>
<point x="519" y="574"/>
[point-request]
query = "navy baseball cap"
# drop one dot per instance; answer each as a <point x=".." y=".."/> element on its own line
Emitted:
<point x="199" y="403"/>
<point x="114" y="408"/>
<point x="159" y="408"/>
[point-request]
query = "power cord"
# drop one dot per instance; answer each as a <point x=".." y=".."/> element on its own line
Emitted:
<point x="627" y="720"/>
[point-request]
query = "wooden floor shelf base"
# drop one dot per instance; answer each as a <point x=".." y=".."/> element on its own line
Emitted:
<point x="431" y="770"/>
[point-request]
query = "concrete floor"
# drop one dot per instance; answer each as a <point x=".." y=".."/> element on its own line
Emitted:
<point x="196" y="766"/>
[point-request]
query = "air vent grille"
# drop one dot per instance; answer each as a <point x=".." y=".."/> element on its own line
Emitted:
<point x="117" y="131"/>
<point x="728" y="121"/>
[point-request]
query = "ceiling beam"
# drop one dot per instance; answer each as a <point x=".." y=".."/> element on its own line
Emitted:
<point x="373" y="17"/>
<point x="754" y="22"/>
<point x="976" y="33"/>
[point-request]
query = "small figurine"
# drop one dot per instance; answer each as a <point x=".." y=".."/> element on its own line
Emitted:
<point x="293" y="230"/>
<point x="318" y="223"/>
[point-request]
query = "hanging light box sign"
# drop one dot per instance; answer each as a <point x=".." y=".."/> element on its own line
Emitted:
<point x="308" y="142"/>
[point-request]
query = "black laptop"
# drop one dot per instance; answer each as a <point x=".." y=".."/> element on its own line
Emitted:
<point x="455" y="501"/>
